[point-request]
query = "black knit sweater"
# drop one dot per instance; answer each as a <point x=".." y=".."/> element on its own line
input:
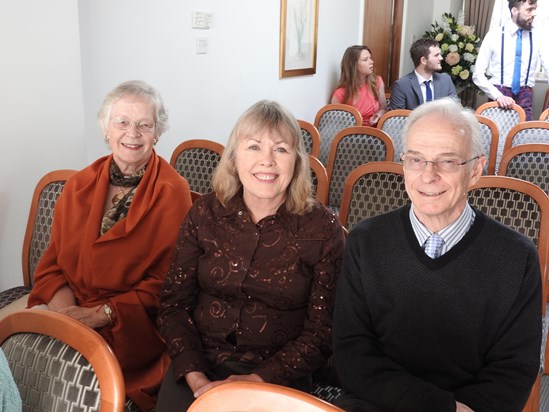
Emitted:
<point x="416" y="334"/>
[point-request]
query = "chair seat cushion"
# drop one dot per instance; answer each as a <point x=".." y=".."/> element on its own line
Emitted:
<point x="11" y="295"/>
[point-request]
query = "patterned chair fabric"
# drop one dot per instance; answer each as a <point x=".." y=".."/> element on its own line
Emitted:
<point x="490" y="141"/>
<point x="351" y="148"/>
<point x="50" y="375"/>
<point x="42" y="224"/>
<point x="196" y="160"/>
<point x="331" y="119"/>
<point x="511" y="207"/>
<point x="527" y="133"/>
<point x="370" y="190"/>
<point x="528" y="162"/>
<point x="311" y="137"/>
<point x="505" y="119"/>
<point x="38" y="232"/>
<point x="59" y="364"/>
<point x="392" y="123"/>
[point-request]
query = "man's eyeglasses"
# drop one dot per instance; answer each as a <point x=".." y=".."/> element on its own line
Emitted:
<point x="418" y="164"/>
<point x="144" y="126"/>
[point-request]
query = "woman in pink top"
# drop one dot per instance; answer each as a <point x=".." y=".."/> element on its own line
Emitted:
<point x="359" y="86"/>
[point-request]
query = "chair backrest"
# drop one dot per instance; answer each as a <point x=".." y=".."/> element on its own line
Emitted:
<point x="59" y="364"/>
<point x="490" y="141"/>
<point x="311" y="137"/>
<point x="520" y="205"/>
<point x="38" y="231"/>
<point x="246" y="396"/>
<point x="534" y="131"/>
<point x="319" y="178"/>
<point x="528" y="162"/>
<point x="351" y="148"/>
<point x="392" y="123"/>
<point x="196" y="160"/>
<point x="372" y="189"/>
<point x="329" y="120"/>
<point x="505" y="119"/>
<point x="544" y="116"/>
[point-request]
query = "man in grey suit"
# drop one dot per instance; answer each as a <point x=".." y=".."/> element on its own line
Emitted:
<point x="424" y="83"/>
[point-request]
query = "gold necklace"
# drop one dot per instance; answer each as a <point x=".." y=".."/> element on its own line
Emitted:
<point x="119" y="195"/>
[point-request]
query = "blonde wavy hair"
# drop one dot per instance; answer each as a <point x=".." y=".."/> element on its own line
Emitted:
<point x="266" y="116"/>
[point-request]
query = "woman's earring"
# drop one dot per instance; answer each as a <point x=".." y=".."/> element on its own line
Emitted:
<point x="155" y="141"/>
<point x="107" y="139"/>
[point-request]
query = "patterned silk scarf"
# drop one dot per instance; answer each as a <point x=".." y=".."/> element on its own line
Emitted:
<point x="119" y="209"/>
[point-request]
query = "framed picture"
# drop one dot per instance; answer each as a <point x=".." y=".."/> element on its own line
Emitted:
<point x="298" y="34"/>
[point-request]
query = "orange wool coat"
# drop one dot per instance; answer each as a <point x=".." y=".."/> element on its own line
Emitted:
<point x="125" y="267"/>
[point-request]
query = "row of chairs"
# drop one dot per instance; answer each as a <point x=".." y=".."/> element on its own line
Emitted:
<point x="501" y="129"/>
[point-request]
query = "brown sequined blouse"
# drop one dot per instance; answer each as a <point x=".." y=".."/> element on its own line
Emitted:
<point x="257" y="293"/>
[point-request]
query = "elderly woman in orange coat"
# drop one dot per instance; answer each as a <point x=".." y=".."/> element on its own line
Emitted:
<point x="113" y="235"/>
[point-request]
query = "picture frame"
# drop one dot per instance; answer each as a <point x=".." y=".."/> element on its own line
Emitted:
<point x="298" y="37"/>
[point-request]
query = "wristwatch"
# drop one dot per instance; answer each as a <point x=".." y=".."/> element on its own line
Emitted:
<point x="108" y="311"/>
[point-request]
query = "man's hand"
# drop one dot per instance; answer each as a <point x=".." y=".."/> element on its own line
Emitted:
<point x="505" y="102"/>
<point x="461" y="407"/>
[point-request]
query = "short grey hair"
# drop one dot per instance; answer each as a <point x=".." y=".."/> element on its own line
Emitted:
<point x="462" y="119"/>
<point x="134" y="88"/>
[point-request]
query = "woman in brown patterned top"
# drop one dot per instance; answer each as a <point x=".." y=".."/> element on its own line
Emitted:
<point x="250" y="293"/>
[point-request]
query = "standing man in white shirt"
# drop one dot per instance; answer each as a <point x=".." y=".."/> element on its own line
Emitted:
<point x="511" y="54"/>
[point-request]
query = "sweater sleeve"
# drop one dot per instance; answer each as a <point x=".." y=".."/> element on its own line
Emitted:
<point x="513" y="361"/>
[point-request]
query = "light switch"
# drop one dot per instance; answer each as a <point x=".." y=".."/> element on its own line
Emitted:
<point x="202" y="20"/>
<point x="202" y="45"/>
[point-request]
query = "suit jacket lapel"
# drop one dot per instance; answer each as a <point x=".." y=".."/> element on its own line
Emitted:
<point x="416" y="88"/>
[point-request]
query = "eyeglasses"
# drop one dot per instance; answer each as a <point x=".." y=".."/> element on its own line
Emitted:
<point x="418" y="164"/>
<point x="144" y="126"/>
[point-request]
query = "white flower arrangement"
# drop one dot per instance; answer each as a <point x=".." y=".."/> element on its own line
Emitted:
<point x="459" y="46"/>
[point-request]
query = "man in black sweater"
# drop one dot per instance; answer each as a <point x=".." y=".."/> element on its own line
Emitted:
<point x="445" y="324"/>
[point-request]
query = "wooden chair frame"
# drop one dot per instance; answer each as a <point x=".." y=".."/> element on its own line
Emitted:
<point x="515" y="107"/>
<point x="315" y="136"/>
<point x="545" y="114"/>
<point x="322" y="188"/>
<point x="373" y="167"/>
<point x="532" y="124"/>
<point x="48" y="178"/>
<point x="392" y="113"/>
<point x="246" y="396"/>
<point x="83" y="339"/>
<point x="338" y="106"/>
<point x="492" y="156"/>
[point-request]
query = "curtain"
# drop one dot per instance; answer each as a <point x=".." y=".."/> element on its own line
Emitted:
<point x="478" y="13"/>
